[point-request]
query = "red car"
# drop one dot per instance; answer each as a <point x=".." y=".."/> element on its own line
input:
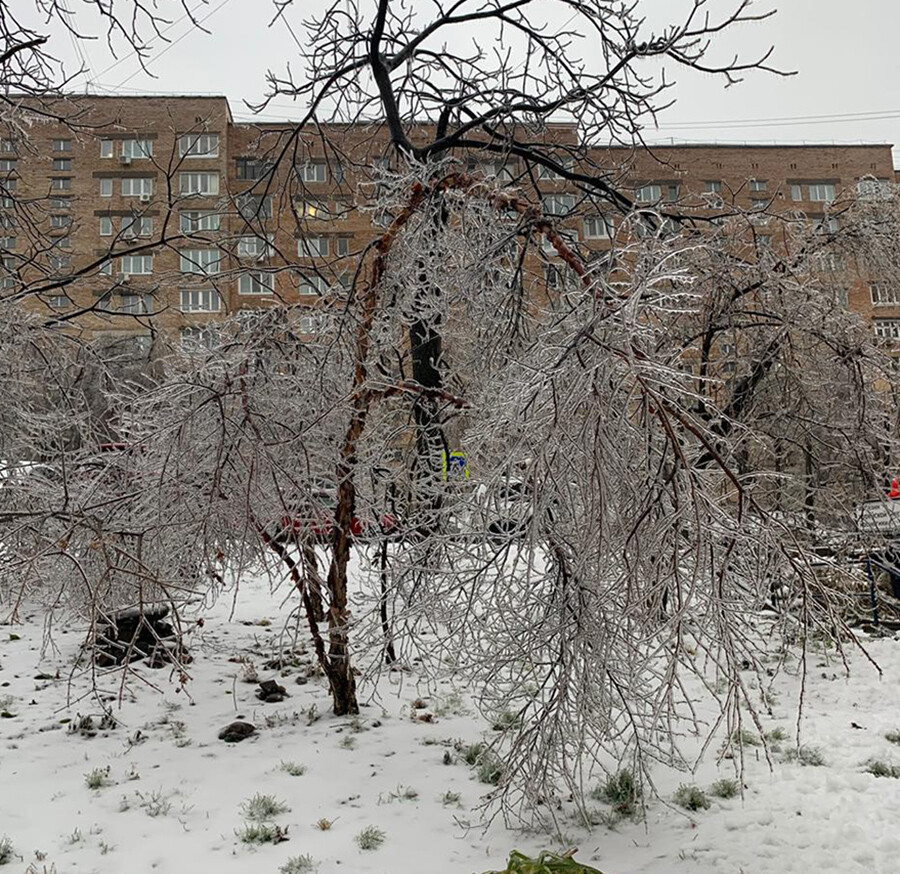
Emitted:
<point x="315" y="520"/>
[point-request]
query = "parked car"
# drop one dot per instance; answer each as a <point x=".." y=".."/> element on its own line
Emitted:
<point x="313" y="518"/>
<point x="503" y="509"/>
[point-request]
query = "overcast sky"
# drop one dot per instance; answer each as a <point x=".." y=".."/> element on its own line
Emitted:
<point x="845" y="54"/>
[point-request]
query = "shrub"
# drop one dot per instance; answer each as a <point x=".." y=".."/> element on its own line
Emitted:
<point x="893" y="736"/>
<point x="546" y="863"/>
<point x="6" y="850"/>
<point x="806" y="755"/>
<point x="261" y="833"/>
<point x="878" y="768"/>
<point x="324" y="824"/>
<point x="691" y="798"/>
<point x="450" y="798"/>
<point x="98" y="778"/>
<point x="725" y="788"/>
<point x="472" y="753"/>
<point x="370" y="838"/>
<point x="262" y="808"/>
<point x="490" y="769"/>
<point x="744" y="738"/>
<point x="621" y="792"/>
<point x="294" y="769"/>
<point x="298" y="865"/>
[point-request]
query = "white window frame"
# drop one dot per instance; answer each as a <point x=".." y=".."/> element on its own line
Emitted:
<point x="60" y="221"/>
<point x="313" y="285"/>
<point x="205" y="219"/>
<point x="197" y="338"/>
<point x="595" y="223"/>
<point x="200" y="300"/>
<point x="311" y="324"/>
<point x="144" y="226"/>
<point x="870" y="188"/>
<point x="313" y="247"/>
<point x="192" y="145"/>
<point x="550" y="204"/>
<point x="650" y="192"/>
<point x="59" y="301"/>
<point x="887" y="329"/>
<point x="796" y="191"/>
<point x="253" y="246"/>
<point x="821" y="192"/>
<point x="884" y="295"/>
<point x="8" y="165"/>
<point x="313" y="171"/>
<point x="65" y="183"/>
<point x="106" y="187"/>
<point x="62" y="145"/>
<point x="106" y="226"/>
<point x="758" y="185"/>
<point x="202" y="183"/>
<point x="262" y="207"/>
<point x="138" y="265"/>
<point x="137" y="186"/>
<point x="138" y="304"/>
<point x="136" y="149"/>
<point x="107" y="149"/>
<point x="199" y="261"/>
<point x="256" y="283"/>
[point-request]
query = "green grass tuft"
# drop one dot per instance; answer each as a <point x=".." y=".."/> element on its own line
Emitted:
<point x="621" y="792"/>
<point x="263" y="808"/>
<point x="370" y="838"/>
<point x="6" y="850"/>
<point x="98" y="778"/>
<point x="293" y="768"/>
<point x="810" y="756"/>
<point x="893" y="736"/>
<point x="298" y="865"/>
<point x="691" y="798"/>
<point x="261" y="833"/>
<point x="725" y="788"/>
<point x="878" y="768"/>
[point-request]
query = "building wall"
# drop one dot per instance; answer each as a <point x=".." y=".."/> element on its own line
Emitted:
<point x="308" y="221"/>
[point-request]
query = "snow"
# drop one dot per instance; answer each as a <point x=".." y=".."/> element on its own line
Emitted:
<point x="792" y="818"/>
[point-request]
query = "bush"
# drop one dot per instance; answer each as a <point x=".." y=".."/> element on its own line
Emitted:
<point x="98" y="778"/>
<point x="262" y="808"/>
<point x="490" y="769"/>
<point x="744" y="738"/>
<point x="621" y="792"/>
<point x="6" y="850"/>
<point x="725" y="788"/>
<point x="472" y="753"/>
<point x="261" y="833"/>
<point x="691" y="798"/>
<point x="806" y="755"/>
<point x="293" y="769"/>
<point x="877" y="768"/>
<point x="893" y="736"/>
<point x="546" y="863"/>
<point x="298" y="865"/>
<point x="370" y="838"/>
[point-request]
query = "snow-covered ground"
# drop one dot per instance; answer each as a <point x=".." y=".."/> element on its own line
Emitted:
<point x="174" y="794"/>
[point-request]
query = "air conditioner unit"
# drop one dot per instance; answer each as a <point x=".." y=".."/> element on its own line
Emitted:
<point x="145" y="198"/>
<point x="125" y="160"/>
<point x="124" y="278"/>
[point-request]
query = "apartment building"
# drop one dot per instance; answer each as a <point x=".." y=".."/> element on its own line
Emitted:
<point x="163" y="213"/>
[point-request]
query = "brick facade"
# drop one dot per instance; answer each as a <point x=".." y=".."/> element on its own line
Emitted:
<point x="189" y="195"/>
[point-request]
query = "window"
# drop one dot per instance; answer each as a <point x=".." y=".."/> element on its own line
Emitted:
<point x="198" y="145"/>
<point x="205" y="261"/>
<point x="759" y="204"/>
<point x="558" y="204"/>
<point x="135" y="304"/>
<point x="137" y="186"/>
<point x="672" y="190"/>
<point x="843" y="297"/>
<point x="106" y="225"/>
<point x="313" y="285"/>
<point x="549" y="173"/>
<point x="8" y="272"/>
<point x="887" y="329"/>
<point x="58" y="301"/>
<point x="60" y="221"/>
<point x="313" y="209"/>
<point x="821" y="192"/>
<point x="342" y="247"/>
<point x="647" y="193"/>
<point x="712" y="191"/>
<point x="309" y="247"/>
<point x="8" y="165"/>
<point x="313" y="171"/>
<point x="825" y="224"/>
<point x="198" y="183"/>
<point x="253" y="247"/>
<point x="256" y="283"/>
<point x="596" y="227"/>
<point x="828" y="262"/>
<point x="552" y="276"/>
<point x="61" y="164"/>
<point x="136" y="149"/>
<point x="7" y="222"/>
<point x="198" y="339"/>
<point x="884" y="295"/>
<point x="132" y="226"/>
<point x="60" y="262"/>
<point x="310" y="324"/>
<point x="136" y="265"/>
<point x="873" y="189"/>
<point x="105" y="268"/>
<point x="199" y="220"/>
<point x="254" y="206"/>
<point x="569" y="238"/>
<point x="106" y="148"/>
<point x="7" y="146"/>
<point x="796" y="192"/>
<point x="492" y="170"/>
<point x="9" y="184"/>
<point x="252" y="168"/>
<point x="106" y="187"/>
<point x="62" y="145"/>
<point x="60" y="203"/>
<point x="200" y="300"/>
<point x="60" y="183"/>
<point x="7" y="242"/>
<point x="757" y="184"/>
<point x="63" y="242"/>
